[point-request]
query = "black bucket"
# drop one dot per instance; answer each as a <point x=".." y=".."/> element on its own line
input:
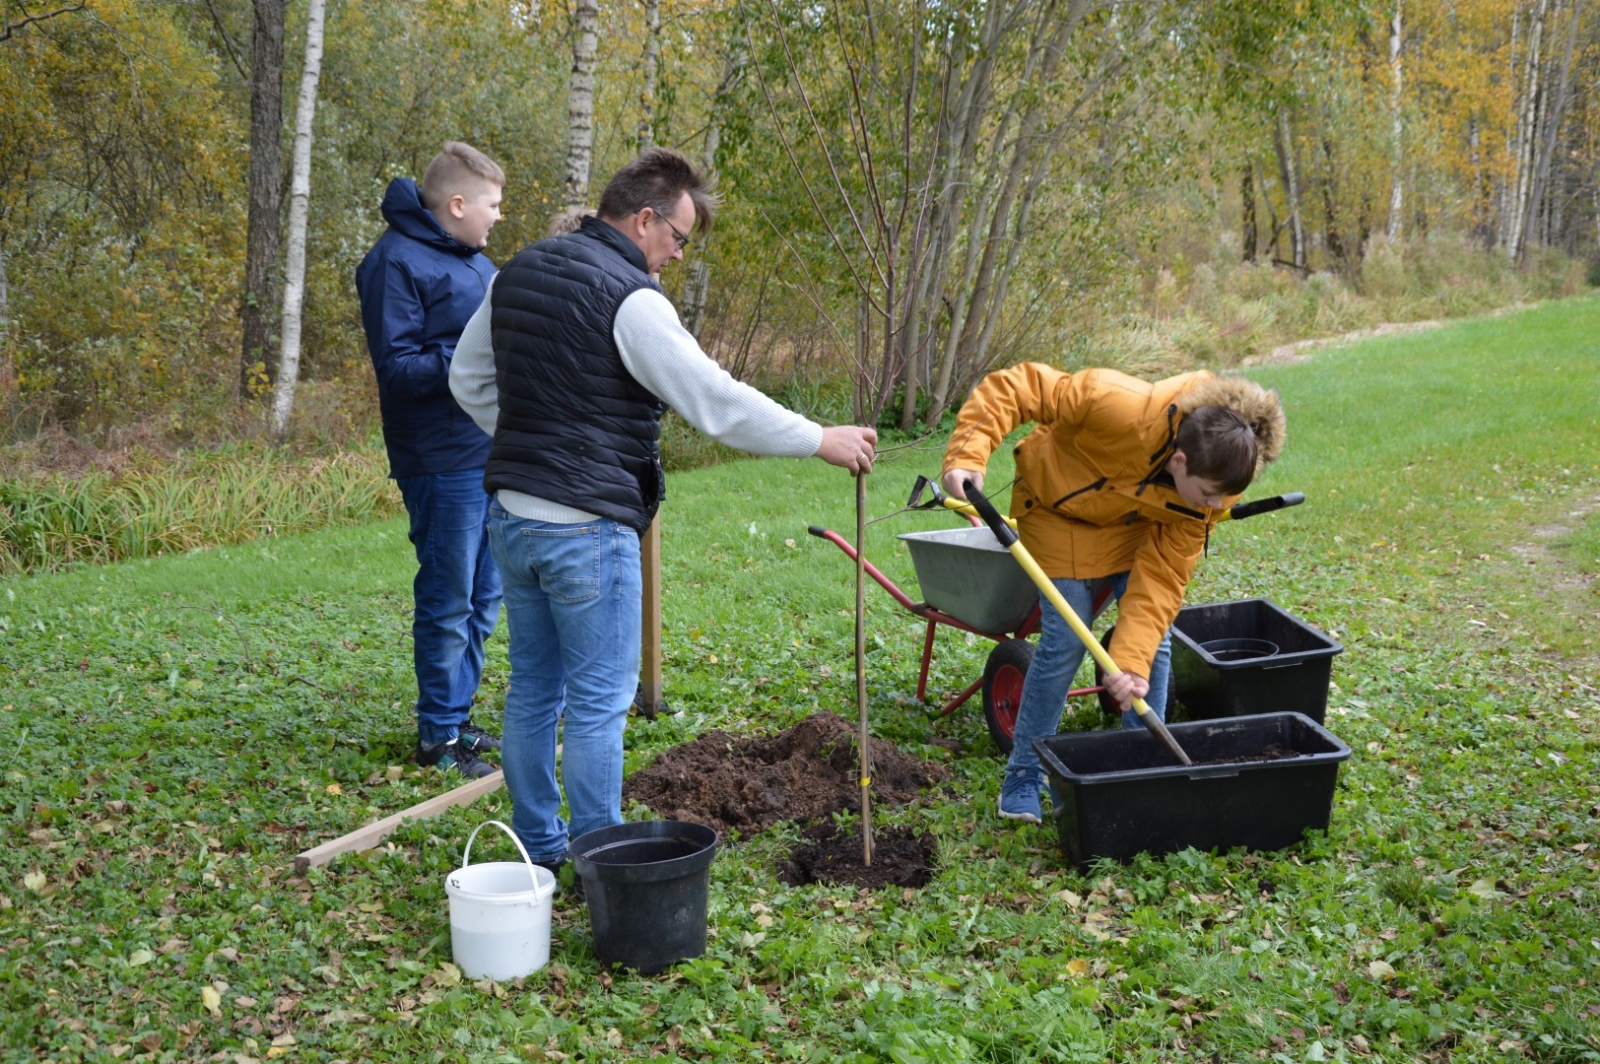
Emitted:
<point x="646" y="885"/>
<point x="1241" y="649"/>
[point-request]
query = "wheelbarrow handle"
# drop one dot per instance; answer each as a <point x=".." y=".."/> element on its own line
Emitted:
<point x="1008" y="539"/>
<point x="1263" y="506"/>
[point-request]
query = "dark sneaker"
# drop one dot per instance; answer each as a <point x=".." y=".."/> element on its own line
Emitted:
<point x="555" y="867"/>
<point x="1019" y="797"/>
<point x="452" y="756"/>
<point x="477" y="740"/>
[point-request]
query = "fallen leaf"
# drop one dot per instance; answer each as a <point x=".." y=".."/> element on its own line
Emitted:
<point x="1073" y="900"/>
<point x="1077" y="968"/>
<point x="1380" y="970"/>
<point x="334" y="788"/>
<point x="1485" y="889"/>
<point x="211" y="1000"/>
<point x="35" y="881"/>
<point x="140" y="956"/>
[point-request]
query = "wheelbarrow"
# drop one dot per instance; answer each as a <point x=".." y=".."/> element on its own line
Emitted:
<point x="972" y="584"/>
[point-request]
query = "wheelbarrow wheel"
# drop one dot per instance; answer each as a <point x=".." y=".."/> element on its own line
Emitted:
<point x="1108" y="706"/>
<point x="1003" y="675"/>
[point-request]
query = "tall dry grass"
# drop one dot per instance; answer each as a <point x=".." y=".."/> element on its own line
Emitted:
<point x="1223" y="312"/>
<point x="52" y="520"/>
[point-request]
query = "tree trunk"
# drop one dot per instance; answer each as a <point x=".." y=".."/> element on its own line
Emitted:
<point x="1291" y="188"/>
<point x="1482" y="191"/>
<point x="1332" y="238"/>
<point x="294" y="284"/>
<point x="1527" y="128"/>
<point x="261" y="293"/>
<point x="8" y="373"/>
<point x="1538" y="195"/>
<point x="1397" y="130"/>
<point x="697" y="289"/>
<point x="652" y="57"/>
<point x="1247" y="199"/>
<point x="580" y="102"/>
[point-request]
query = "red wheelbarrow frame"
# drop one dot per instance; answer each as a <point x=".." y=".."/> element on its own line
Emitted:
<point x="1007" y="685"/>
<point x="1007" y="680"/>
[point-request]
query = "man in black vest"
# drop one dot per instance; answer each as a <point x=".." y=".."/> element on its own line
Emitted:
<point x="569" y="364"/>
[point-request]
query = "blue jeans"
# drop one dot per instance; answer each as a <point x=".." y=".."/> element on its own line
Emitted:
<point x="573" y="601"/>
<point x="1055" y="663"/>
<point x="457" y="594"/>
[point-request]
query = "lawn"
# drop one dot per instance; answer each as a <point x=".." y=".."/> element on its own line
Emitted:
<point x="181" y="727"/>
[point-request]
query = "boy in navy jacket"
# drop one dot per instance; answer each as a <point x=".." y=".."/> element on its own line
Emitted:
<point x="418" y="286"/>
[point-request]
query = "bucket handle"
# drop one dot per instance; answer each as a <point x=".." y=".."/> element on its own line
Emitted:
<point x="466" y="855"/>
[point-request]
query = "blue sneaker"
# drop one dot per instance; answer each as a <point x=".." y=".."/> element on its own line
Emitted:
<point x="1019" y="797"/>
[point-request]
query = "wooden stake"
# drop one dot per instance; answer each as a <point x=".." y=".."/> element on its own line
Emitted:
<point x="365" y="838"/>
<point x="865" y="740"/>
<point x="652" y="695"/>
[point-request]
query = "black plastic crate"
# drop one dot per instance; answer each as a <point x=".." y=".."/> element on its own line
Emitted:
<point x="1294" y="680"/>
<point x="1121" y="792"/>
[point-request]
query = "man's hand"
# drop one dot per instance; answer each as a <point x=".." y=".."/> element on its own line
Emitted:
<point x="955" y="482"/>
<point x="1124" y="687"/>
<point x="849" y="447"/>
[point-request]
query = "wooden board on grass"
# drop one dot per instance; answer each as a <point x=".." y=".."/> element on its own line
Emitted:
<point x="364" y="838"/>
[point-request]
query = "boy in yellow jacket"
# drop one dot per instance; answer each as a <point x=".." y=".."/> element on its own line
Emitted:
<point x="1121" y="482"/>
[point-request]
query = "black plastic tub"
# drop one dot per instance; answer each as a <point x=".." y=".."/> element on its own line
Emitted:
<point x="646" y="884"/>
<point x="1120" y="792"/>
<point x="1228" y="684"/>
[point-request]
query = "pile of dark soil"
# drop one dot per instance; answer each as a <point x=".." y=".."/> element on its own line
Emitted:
<point x="804" y="773"/>
<point x="899" y="859"/>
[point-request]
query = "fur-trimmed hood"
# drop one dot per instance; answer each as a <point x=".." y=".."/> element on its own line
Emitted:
<point x="1260" y="408"/>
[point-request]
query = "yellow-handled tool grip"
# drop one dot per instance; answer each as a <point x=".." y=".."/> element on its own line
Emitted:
<point x="967" y="508"/>
<point x="1008" y="539"/>
<point x="1050" y="592"/>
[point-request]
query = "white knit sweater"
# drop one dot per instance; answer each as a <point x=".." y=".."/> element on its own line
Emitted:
<point x="663" y="357"/>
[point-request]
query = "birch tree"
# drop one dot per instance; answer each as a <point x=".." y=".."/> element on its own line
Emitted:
<point x="299" y="207"/>
<point x="580" y="103"/>
<point x="1397" y="129"/>
<point x="1289" y="171"/>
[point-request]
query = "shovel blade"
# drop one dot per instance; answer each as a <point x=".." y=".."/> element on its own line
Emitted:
<point x="1159" y="730"/>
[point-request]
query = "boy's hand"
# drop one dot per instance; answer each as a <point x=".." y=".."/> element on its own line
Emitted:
<point x="1124" y="687"/>
<point x="955" y="482"/>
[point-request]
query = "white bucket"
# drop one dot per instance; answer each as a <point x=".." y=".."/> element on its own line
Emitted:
<point x="499" y="914"/>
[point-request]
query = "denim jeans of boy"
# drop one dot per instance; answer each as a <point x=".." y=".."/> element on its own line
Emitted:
<point x="1055" y="663"/>
<point x="573" y="601"/>
<point x="457" y="595"/>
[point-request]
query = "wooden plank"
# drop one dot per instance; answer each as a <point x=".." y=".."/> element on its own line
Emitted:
<point x="364" y="838"/>
<point x="651" y="695"/>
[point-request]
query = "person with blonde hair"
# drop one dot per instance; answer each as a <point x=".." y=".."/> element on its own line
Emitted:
<point x="419" y="285"/>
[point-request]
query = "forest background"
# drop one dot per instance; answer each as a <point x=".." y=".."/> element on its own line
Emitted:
<point x="915" y="193"/>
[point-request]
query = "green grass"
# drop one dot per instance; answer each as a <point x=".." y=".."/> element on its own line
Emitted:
<point x="179" y="728"/>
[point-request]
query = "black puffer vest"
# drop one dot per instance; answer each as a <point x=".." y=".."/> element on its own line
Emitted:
<point x="575" y="428"/>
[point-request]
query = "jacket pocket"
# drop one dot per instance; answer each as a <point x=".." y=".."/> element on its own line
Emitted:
<point x="1096" y="486"/>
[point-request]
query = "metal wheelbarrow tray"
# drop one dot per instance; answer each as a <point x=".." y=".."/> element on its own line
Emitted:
<point x="965" y="573"/>
<point x="1120" y="794"/>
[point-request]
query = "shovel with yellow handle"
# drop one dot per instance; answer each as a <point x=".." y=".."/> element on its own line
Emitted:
<point x="1008" y="539"/>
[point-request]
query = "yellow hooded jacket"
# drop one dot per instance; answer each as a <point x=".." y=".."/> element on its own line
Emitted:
<point x="1093" y="497"/>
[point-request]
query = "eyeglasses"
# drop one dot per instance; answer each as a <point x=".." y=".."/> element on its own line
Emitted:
<point x="682" y="240"/>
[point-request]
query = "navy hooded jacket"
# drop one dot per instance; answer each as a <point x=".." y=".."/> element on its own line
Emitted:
<point x="418" y="287"/>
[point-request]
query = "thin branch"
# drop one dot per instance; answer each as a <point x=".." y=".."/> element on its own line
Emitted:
<point x="28" y="20"/>
<point x="227" y="42"/>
